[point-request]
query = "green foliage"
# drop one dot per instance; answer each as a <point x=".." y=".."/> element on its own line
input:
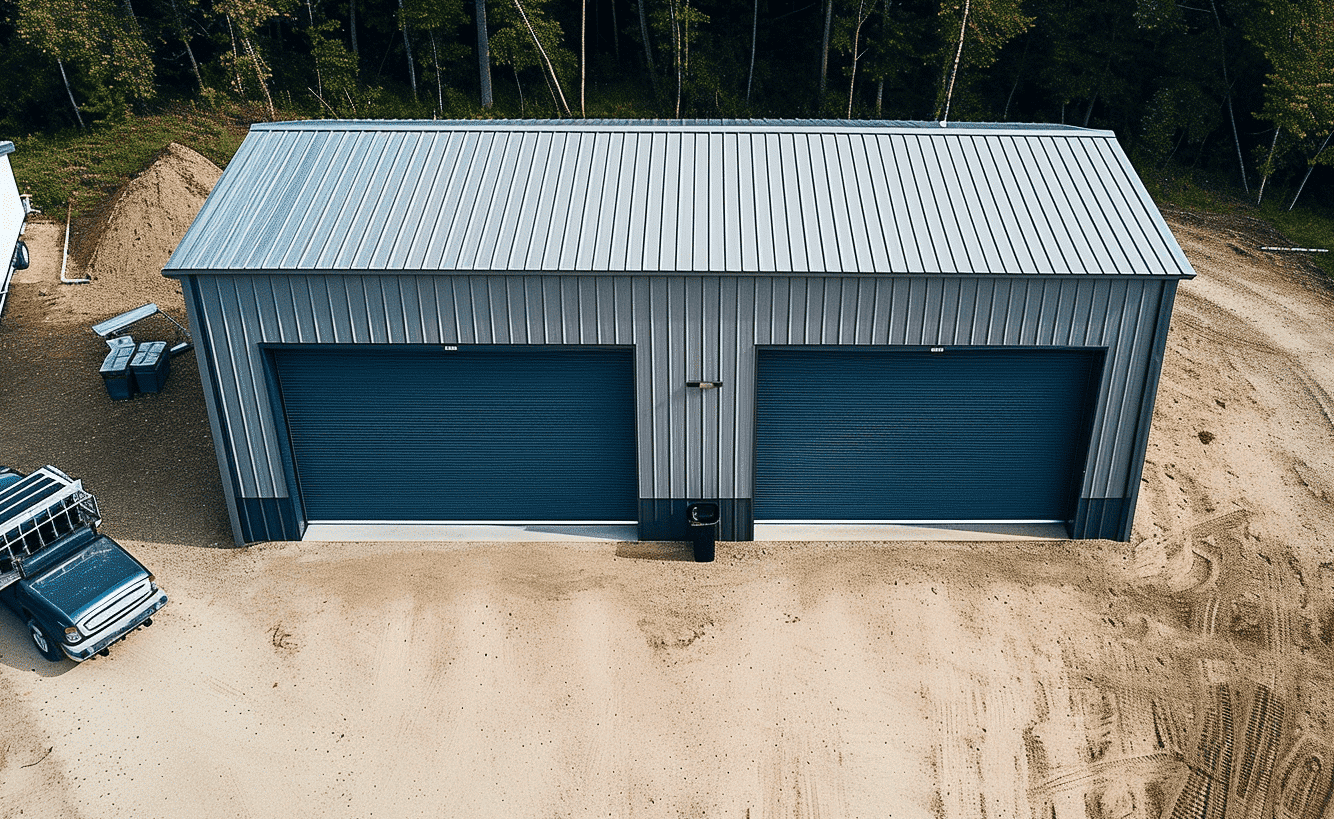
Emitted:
<point x="83" y="167"/>
<point x="991" y="24"/>
<point x="1297" y="36"/>
<point x="1304" y="227"/>
<point x="98" y="43"/>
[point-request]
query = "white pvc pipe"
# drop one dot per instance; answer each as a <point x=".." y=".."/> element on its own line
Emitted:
<point x="64" y="254"/>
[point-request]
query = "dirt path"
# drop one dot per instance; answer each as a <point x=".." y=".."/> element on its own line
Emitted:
<point x="1187" y="674"/>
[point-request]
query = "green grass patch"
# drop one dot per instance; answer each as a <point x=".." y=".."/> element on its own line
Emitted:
<point x="83" y="167"/>
<point x="1303" y="226"/>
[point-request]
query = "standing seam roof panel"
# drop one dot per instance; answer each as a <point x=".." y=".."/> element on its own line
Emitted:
<point x="382" y="199"/>
<point x="828" y="239"/>
<point x="297" y="227"/>
<point x="238" y="175"/>
<point x="1109" y="226"/>
<point x="309" y="241"/>
<point x="868" y="197"/>
<point x="989" y="200"/>
<point x="471" y="184"/>
<point x="968" y="238"/>
<point x="619" y="223"/>
<point x="673" y="197"/>
<point x="499" y="224"/>
<point x="545" y="208"/>
<point x="1137" y="201"/>
<point x="769" y="158"/>
<point x="1031" y="254"/>
<point x="903" y="255"/>
<point x="416" y="233"/>
<point x="398" y="214"/>
<point x="746" y="203"/>
<point x="1056" y="207"/>
<point x="580" y="257"/>
<point x="440" y="215"/>
<point x="492" y="191"/>
<point x="993" y="235"/>
<point x="924" y="175"/>
<point x="233" y="247"/>
<point x="1069" y="200"/>
<point x="1025" y="189"/>
<point x="349" y="227"/>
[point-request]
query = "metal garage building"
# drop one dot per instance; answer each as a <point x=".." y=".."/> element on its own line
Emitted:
<point x="554" y="322"/>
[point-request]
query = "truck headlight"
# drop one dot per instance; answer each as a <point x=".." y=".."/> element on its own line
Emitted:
<point x="72" y="635"/>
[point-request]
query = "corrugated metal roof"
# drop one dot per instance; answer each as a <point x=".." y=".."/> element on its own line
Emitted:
<point x="693" y="197"/>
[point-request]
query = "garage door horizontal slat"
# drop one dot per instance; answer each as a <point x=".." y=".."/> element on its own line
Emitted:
<point x="476" y="434"/>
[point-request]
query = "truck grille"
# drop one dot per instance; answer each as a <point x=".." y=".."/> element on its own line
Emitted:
<point x="119" y="604"/>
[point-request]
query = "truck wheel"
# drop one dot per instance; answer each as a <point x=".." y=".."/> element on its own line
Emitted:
<point x="44" y="644"/>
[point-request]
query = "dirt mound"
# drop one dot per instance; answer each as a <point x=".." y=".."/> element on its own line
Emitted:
<point x="127" y="244"/>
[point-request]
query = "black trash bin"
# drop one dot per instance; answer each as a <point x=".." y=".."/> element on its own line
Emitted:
<point x="116" y="373"/>
<point x="703" y="519"/>
<point x="150" y="366"/>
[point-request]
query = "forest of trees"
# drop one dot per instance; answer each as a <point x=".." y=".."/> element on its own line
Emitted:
<point x="1239" y="87"/>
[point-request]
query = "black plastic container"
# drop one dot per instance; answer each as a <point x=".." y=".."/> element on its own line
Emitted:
<point x="116" y="373"/>
<point x="703" y="519"/>
<point x="150" y="366"/>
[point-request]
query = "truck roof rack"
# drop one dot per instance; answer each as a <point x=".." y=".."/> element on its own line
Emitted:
<point x="36" y="511"/>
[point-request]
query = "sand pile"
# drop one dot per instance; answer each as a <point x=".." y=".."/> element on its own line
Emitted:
<point x="125" y="248"/>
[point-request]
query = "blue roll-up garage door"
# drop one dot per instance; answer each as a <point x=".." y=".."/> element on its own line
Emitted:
<point x="475" y="434"/>
<point x="912" y="435"/>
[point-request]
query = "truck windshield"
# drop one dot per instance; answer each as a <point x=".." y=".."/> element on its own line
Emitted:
<point x="87" y="576"/>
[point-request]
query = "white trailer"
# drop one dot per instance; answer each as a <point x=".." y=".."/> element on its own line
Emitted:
<point x="14" y="210"/>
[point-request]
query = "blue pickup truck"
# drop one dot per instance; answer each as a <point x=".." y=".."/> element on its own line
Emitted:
<point x="76" y="590"/>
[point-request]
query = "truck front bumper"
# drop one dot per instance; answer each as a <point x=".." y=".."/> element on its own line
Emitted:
<point x="82" y="651"/>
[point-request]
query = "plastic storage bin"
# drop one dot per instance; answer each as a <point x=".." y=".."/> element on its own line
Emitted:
<point x="150" y="366"/>
<point x="116" y="373"/>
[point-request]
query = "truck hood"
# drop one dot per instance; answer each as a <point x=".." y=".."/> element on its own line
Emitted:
<point x="87" y="576"/>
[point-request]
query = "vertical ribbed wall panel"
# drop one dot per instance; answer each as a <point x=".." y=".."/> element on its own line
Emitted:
<point x="692" y="443"/>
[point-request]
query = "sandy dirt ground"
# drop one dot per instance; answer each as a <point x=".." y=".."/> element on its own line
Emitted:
<point x="1185" y="674"/>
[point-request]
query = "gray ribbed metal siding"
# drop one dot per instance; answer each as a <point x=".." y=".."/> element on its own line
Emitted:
<point x="692" y="443"/>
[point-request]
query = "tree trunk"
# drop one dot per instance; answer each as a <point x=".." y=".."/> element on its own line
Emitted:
<point x="615" y="33"/>
<point x="648" y="49"/>
<point x="185" y="38"/>
<point x="483" y="53"/>
<point x="236" y="58"/>
<point x="70" y="91"/>
<point x="949" y="94"/>
<point x="1310" y="167"/>
<point x="407" y="49"/>
<point x="439" y="86"/>
<point x="259" y="75"/>
<point x="583" y="54"/>
<point x="352" y="27"/>
<point x="1222" y="59"/>
<point x="522" y="111"/>
<point x="319" y="81"/>
<point x="1265" y="178"/>
<point x="856" y="43"/>
<point x="676" y="48"/>
<point x="551" y="71"/>
<point x="879" y="98"/>
<point x="824" y="51"/>
<point x="754" y="34"/>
